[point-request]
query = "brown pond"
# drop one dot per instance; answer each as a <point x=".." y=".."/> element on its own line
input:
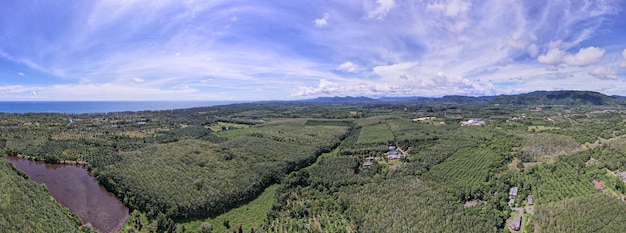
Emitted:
<point x="76" y="189"/>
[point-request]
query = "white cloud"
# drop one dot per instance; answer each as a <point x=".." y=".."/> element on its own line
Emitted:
<point x="321" y="22"/>
<point x="603" y="73"/>
<point x="623" y="65"/>
<point x="384" y="6"/>
<point x="20" y="74"/>
<point x="402" y="50"/>
<point x="552" y="57"/>
<point x="584" y="57"/>
<point x="348" y="67"/>
<point x="411" y="86"/>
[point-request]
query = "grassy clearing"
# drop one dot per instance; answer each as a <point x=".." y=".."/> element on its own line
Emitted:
<point x="250" y="215"/>
<point x="230" y="134"/>
<point x="513" y="165"/>
<point x="227" y="126"/>
<point x="379" y="133"/>
<point x="539" y="128"/>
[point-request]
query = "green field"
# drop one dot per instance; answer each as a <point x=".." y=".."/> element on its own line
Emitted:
<point x="250" y="216"/>
<point x="467" y="170"/>
<point x="223" y="126"/>
<point x="305" y="167"/>
<point x="372" y="134"/>
<point x="560" y="181"/>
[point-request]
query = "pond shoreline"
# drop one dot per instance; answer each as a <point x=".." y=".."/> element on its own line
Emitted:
<point x="75" y="188"/>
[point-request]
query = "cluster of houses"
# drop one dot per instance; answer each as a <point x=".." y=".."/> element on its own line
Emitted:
<point x="392" y="154"/>
<point x="473" y="122"/>
<point x="516" y="222"/>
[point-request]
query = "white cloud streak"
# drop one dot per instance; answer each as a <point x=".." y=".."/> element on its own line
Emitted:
<point x="322" y="22"/>
<point x="383" y="8"/>
<point x="348" y="67"/>
<point x="603" y="73"/>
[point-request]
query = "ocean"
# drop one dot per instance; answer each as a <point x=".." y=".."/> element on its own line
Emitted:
<point x="77" y="107"/>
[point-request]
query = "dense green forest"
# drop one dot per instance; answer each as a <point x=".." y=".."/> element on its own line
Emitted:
<point x="329" y="167"/>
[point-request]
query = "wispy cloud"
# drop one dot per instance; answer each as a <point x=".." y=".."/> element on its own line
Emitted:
<point x="381" y="10"/>
<point x="623" y="65"/>
<point x="281" y="50"/>
<point x="603" y="73"/>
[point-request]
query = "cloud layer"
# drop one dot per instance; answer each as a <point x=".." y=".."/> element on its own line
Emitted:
<point x="231" y="50"/>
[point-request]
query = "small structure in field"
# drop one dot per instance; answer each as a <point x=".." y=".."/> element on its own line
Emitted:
<point x="473" y="122"/>
<point x="368" y="161"/>
<point x="513" y="192"/>
<point x="422" y="119"/>
<point x="591" y="161"/>
<point x="514" y="225"/>
<point x="530" y="199"/>
<point x="623" y="175"/>
<point x="598" y="184"/>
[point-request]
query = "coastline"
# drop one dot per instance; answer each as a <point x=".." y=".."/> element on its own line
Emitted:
<point x="86" y="107"/>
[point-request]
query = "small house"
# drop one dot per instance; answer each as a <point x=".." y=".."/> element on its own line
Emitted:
<point x="514" y="225"/>
<point x="367" y="164"/>
<point x="513" y="191"/>
<point x="530" y="199"/>
<point x="622" y="175"/>
<point x="591" y="161"/>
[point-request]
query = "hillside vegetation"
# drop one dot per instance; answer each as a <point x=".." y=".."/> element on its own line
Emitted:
<point x="328" y="169"/>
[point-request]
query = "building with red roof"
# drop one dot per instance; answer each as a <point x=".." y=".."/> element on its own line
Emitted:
<point x="598" y="184"/>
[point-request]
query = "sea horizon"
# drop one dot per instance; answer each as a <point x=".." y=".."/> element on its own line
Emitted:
<point x="98" y="106"/>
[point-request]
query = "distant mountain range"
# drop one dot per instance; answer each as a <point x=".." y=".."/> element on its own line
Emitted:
<point x="531" y="98"/>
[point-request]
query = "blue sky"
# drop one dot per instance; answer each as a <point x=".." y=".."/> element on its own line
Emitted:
<point x="284" y="49"/>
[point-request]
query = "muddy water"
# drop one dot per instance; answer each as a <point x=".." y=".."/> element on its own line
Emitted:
<point x="76" y="189"/>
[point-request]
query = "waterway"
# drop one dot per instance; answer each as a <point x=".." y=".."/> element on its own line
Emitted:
<point x="73" y="187"/>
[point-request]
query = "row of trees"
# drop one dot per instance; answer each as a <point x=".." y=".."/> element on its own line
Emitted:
<point x="593" y="213"/>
